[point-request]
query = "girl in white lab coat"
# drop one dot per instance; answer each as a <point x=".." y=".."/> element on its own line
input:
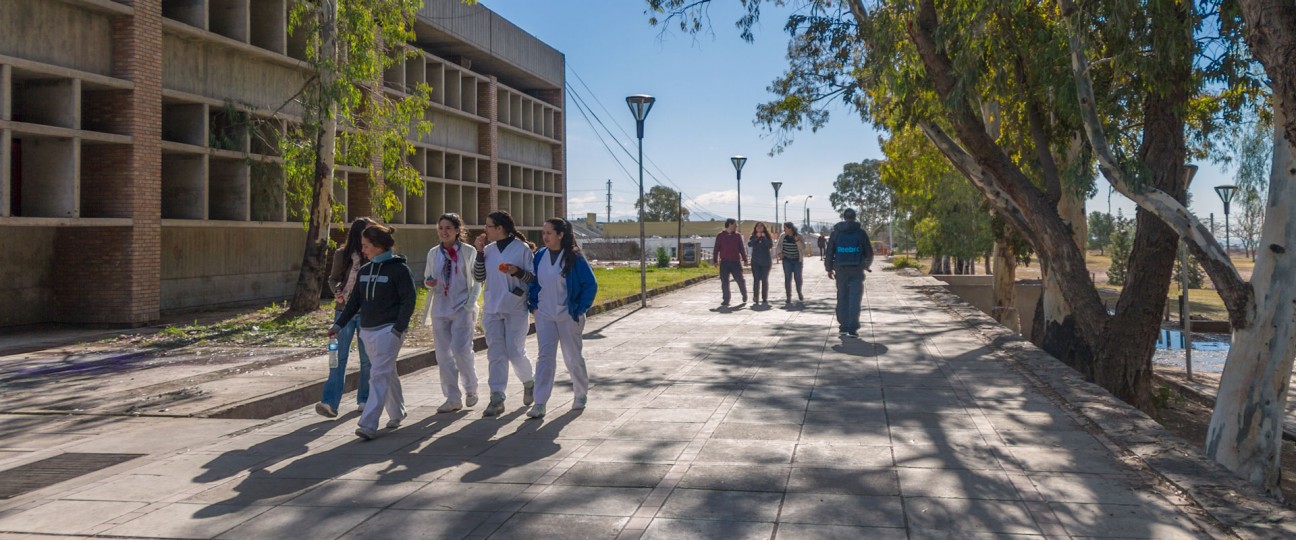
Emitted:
<point x="504" y="266"/>
<point x="452" y="311"/>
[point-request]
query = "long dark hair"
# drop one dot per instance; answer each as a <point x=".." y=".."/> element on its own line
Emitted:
<point x="455" y="220"/>
<point x="569" y="247"/>
<point x="760" y="225"/>
<point x="503" y="219"/>
<point x="789" y="225"/>
<point x="352" y="245"/>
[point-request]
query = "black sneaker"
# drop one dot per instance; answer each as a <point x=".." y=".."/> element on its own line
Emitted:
<point x="853" y="334"/>
<point x="724" y="303"/>
<point x="843" y="333"/>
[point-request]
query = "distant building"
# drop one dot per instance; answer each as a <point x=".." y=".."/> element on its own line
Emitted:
<point x="128" y="191"/>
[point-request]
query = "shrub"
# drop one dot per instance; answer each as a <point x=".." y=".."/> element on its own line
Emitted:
<point x="663" y="258"/>
<point x="903" y="261"/>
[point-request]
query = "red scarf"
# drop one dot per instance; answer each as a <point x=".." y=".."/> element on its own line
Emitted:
<point x="451" y="267"/>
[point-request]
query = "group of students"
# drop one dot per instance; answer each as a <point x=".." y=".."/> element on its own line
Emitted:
<point x="376" y="298"/>
<point x="730" y="255"/>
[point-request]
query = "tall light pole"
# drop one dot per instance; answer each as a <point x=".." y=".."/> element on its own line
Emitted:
<point x="1185" y="316"/>
<point x="778" y="185"/>
<point x="640" y="104"/>
<point x="738" y="162"/>
<point x="805" y="209"/>
<point x="785" y="214"/>
<point x="1225" y="193"/>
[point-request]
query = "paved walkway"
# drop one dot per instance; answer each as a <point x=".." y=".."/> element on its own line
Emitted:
<point x="702" y="422"/>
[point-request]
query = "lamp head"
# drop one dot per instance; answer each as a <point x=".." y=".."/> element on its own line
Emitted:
<point x="776" y="185"/>
<point x="1225" y="193"/>
<point x="640" y="104"/>
<point x="738" y="162"/>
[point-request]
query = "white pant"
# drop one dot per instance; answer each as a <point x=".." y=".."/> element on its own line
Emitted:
<point x="383" y="346"/>
<point x="454" y="354"/>
<point x="506" y="344"/>
<point x="549" y="332"/>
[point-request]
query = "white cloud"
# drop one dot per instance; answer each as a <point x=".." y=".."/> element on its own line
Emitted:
<point x="729" y="196"/>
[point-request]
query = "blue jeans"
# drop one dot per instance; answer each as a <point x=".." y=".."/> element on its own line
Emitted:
<point x="792" y="271"/>
<point x="337" y="376"/>
<point x="850" y="293"/>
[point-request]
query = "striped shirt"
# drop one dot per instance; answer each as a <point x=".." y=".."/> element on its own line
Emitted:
<point x="790" y="248"/>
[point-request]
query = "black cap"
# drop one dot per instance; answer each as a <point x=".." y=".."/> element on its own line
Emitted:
<point x="848" y="214"/>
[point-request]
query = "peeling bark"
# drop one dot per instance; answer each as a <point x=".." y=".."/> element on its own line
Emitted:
<point x="1005" y="286"/>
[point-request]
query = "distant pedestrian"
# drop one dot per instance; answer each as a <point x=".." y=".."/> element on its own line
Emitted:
<point x="792" y="253"/>
<point x="384" y="299"/>
<point x="823" y="244"/>
<point x="563" y="291"/>
<point x="452" y="311"/>
<point x="849" y="254"/>
<point x="504" y="266"/>
<point x="761" y="253"/>
<point x="730" y="255"/>
<point x="347" y="261"/>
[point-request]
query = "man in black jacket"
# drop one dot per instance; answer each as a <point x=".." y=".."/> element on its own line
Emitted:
<point x="848" y="255"/>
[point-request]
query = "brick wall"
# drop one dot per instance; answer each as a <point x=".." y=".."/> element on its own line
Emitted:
<point x="488" y="144"/>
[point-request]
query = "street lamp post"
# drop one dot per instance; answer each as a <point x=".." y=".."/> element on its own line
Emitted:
<point x="1225" y="193"/>
<point x="805" y="209"/>
<point x="785" y="214"/>
<point x="1185" y="316"/>
<point x="640" y="104"/>
<point x="778" y="185"/>
<point x="738" y="162"/>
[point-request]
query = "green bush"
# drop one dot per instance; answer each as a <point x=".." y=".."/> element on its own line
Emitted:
<point x="904" y="261"/>
<point x="663" y="258"/>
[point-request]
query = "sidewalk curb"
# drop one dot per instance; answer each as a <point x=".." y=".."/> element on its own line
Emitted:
<point x="299" y="396"/>
<point x="1235" y="504"/>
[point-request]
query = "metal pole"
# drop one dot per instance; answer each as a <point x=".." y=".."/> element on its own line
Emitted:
<point x="1185" y="316"/>
<point x="739" y="201"/>
<point x="609" y="199"/>
<point x="643" y="250"/>
<point x="679" y="230"/>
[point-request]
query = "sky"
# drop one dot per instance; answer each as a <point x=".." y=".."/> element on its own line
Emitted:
<point x="707" y="89"/>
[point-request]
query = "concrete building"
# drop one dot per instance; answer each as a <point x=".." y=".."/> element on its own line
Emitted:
<point x="130" y="185"/>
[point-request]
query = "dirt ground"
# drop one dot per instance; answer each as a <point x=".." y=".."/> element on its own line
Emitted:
<point x="1190" y="419"/>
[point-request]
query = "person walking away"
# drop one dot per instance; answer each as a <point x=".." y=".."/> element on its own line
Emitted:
<point x="452" y="311"/>
<point x="849" y="254"/>
<point x="792" y="255"/>
<point x="761" y="248"/>
<point x="727" y="255"/>
<point x="823" y="244"/>
<point x="384" y="299"/>
<point x="504" y="267"/>
<point x="563" y="291"/>
<point x="347" y="261"/>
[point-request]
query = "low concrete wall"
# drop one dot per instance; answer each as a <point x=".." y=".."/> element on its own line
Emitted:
<point x="27" y="287"/>
<point x="978" y="290"/>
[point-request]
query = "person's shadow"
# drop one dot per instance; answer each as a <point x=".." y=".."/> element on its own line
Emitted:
<point x="858" y="347"/>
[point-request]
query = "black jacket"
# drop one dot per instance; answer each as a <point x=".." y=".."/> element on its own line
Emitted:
<point x="760" y="250"/>
<point x="383" y="294"/>
<point x="842" y="251"/>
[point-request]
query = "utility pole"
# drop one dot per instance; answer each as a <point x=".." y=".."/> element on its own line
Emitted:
<point x="609" y="199"/>
<point x="679" y="226"/>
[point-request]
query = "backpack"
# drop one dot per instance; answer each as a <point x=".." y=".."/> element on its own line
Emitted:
<point x="849" y="247"/>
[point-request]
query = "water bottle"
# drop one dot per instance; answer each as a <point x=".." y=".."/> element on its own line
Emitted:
<point x="333" y="352"/>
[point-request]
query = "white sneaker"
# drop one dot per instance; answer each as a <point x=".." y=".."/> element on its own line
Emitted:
<point x="394" y="423"/>
<point x="451" y="405"/>
<point x="528" y="393"/>
<point x="537" y="411"/>
<point x="579" y="404"/>
<point x="471" y="401"/>
<point x="366" y="433"/>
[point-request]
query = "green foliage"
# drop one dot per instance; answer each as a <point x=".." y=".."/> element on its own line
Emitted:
<point x="1100" y="229"/>
<point x="663" y="258"/>
<point x="663" y="205"/>
<point x="1121" y="243"/>
<point x="860" y="186"/>
<point x="1254" y="152"/>
<point x="1196" y="276"/>
<point x="904" y="261"/>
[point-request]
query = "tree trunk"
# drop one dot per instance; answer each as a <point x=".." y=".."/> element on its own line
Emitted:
<point x="1005" y="286"/>
<point x="1245" y="433"/>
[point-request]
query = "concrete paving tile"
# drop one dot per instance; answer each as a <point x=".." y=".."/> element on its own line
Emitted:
<point x="255" y="490"/>
<point x="66" y="517"/>
<point x="460" y="446"/>
<point x="688" y="529"/>
<point x="403" y="468"/>
<point x="951" y="438"/>
<point x="1031" y="421"/>
<point x="587" y="501"/>
<point x="734" y="452"/>
<point x="954" y="419"/>
<point x="530" y="449"/>
<point x="1075" y="440"/>
<point x="204" y="467"/>
<point x="721" y="505"/>
<point x="843" y="455"/>
<point x="757" y="432"/>
<point x="317" y="465"/>
<point x="1089" y="488"/>
<point x="957" y="483"/>
<point x="749" y="411"/>
<point x="614" y="474"/>
<point x="1122" y="521"/>
<point x="845" y="433"/>
<point x="929" y="534"/>
<point x="637" y="451"/>
<point x="676" y="401"/>
<point x="573" y="527"/>
<point x="184" y="520"/>
<point x="465" y="497"/>
<point x="736" y="477"/>
<point x="504" y="473"/>
<point x="966" y="516"/>
<point x="802" y="531"/>
<point x="947" y="457"/>
<point x="355" y="493"/>
<point x="840" y="394"/>
<point x="300" y="522"/>
<point x="847" y="481"/>
<point x="673" y="415"/>
<point x="677" y="431"/>
<point x="1052" y="459"/>
<point x="421" y="524"/>
<point x="850" y="510"/>
<point x="139" y="488"/>
<point x="388" y="443"/>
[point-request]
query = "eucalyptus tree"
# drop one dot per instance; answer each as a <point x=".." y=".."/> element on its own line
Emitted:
<point x="349" y="44"/>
